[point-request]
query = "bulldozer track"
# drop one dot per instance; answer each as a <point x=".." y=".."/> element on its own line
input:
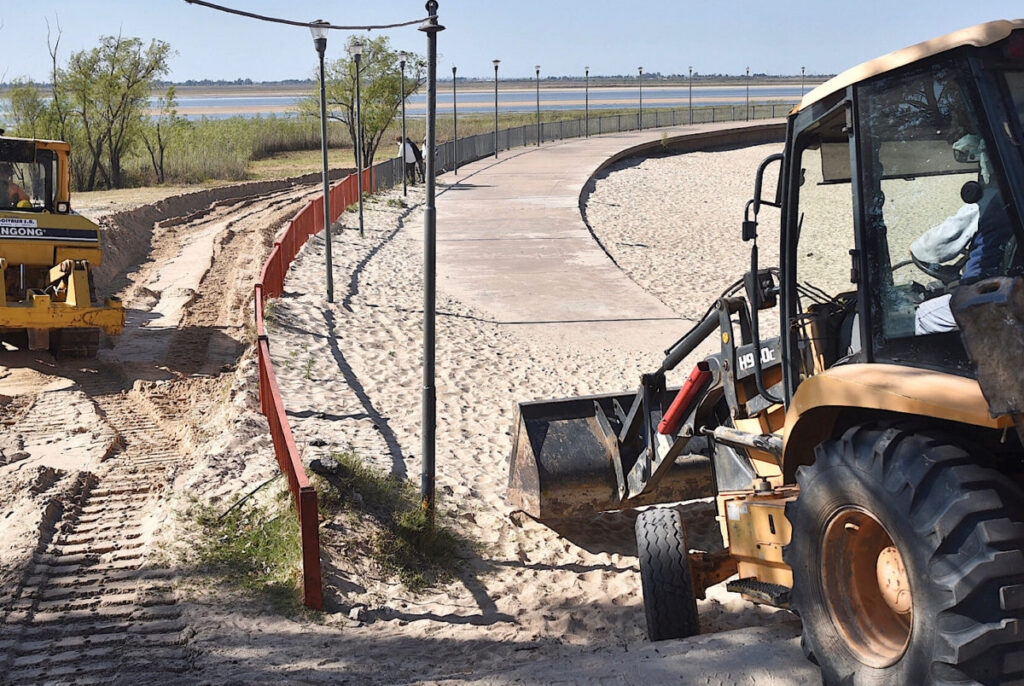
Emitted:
<point x="196" y="348"/>
<point x="93" y="604"/>
<point x="93" y="607"/>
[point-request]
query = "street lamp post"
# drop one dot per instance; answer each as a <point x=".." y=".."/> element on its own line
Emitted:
<point x="748" y="93"/>
<point x="320" y="43"/>
<point x="586" y="102"/>
<point x="640" y="111"/>
<point x="802" y="69"/>
<point x="690" y="106"/>
<point x="455" y="125"/>
<point x="537" y="69"/>
<point x="429" y="402"/>
<point x="355" y="48"/>
<point x="496" y="63"/>
<point x="405" y="180"/>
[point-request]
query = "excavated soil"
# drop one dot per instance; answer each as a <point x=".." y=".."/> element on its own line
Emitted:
<point x="91" y="448"/>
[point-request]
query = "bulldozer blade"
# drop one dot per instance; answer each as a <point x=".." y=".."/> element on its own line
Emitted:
<point x="567" y="461"/>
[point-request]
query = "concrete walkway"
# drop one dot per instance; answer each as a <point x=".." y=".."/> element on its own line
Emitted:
<point x="513" y="244"/>
<point x="511" y="241"/>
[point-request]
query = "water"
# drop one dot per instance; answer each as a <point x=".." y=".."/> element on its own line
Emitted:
<point x="508" y="101"/>
<point x="520" y="100"/>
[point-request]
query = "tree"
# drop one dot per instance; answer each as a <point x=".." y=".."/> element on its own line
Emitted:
<point x="107" y="89"/>
<point x="156" y="133"/>
<point x="380" y="91"/>
<point x="27" y="110"/>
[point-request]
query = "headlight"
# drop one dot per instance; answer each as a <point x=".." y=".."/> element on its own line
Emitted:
<point x="63" y="208"/>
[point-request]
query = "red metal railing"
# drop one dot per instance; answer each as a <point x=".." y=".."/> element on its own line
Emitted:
<point x="307" y="222"/>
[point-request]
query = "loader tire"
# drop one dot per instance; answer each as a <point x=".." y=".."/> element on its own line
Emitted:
<point x="907" y="561"/>
<point x="669" y="601"/>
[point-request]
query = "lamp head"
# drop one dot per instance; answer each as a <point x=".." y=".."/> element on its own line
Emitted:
<point x="496" y="63"/>
<point x="453" y="70"/>
<point x="536" y="68"/>
<point x="640" y="70"/>
<point x="319" y="30"/>
<point x="356" y="47"/>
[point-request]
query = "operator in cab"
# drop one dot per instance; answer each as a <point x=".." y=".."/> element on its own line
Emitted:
<point x="976" y="236"/>
<point x="11" y="194"/>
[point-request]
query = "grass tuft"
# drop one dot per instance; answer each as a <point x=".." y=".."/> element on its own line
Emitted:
<point x="402" y="543"/>
<point x="254" y="547"/>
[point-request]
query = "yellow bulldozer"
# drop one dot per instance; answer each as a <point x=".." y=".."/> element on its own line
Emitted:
<point x="866" y="462"/>
<point x="47" y="253"/>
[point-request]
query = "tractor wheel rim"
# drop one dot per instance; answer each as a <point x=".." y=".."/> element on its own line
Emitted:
<point x="866" y="587"/>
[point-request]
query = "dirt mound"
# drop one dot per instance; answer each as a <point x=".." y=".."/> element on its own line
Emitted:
<point x="128" y="234"/>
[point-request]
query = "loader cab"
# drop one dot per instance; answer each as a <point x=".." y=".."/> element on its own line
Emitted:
<point x="33" y="175"/>
<point x="896" y="189"/>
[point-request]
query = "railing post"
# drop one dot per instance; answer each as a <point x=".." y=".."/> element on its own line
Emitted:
<point x="312" y="583"/>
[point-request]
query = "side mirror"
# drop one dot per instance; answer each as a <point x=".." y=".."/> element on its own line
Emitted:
<point x="750" y="223"/>
<point x="759" y="181"/>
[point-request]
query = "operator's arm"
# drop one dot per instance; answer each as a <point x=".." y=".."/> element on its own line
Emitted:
<point x="16" y="193"/>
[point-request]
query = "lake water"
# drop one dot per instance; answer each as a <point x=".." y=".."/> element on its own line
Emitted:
<point x="508" y="100"/>
<point x="520" y="100"/>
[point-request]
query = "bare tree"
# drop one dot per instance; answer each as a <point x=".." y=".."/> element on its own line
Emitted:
<point x="157" y="133"/>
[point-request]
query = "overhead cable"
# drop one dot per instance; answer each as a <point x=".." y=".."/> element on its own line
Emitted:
<point x="306" y="24"/>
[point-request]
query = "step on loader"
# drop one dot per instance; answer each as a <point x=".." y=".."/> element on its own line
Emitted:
<point x="867" y="462"/>
<point x="47" y="253"/>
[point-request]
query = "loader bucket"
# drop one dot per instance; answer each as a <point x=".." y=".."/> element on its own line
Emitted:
<point x="563" y="462"/>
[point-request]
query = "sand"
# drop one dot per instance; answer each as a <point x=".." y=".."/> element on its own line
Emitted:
<point x="350" y="376"/>
<point x="530" y="605"/>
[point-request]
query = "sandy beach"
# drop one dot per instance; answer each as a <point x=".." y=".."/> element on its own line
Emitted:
<point x="350" y="374"/>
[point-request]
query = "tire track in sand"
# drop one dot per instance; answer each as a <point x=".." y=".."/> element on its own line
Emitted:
<point x="95" y="605"/>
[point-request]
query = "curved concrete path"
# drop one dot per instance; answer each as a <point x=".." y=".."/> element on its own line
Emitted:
<point x="511" y="241"/>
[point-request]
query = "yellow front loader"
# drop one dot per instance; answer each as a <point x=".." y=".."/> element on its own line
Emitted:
<point x="47" y="253"/>
<point x="867" y="462"/>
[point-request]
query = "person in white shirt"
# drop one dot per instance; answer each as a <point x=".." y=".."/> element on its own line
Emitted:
<point x="408" y="158"/>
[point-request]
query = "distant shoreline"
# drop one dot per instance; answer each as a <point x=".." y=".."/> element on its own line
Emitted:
<point x="507" y="86"/>
<point x="653" y="102"/>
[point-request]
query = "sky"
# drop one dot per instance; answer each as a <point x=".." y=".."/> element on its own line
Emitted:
<point x="611" y="36"/>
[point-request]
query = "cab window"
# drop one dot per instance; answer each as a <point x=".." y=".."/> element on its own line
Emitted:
<point x="935" y="213"/>
<point x="826" y="322"/>
<point x="27" y="177"/>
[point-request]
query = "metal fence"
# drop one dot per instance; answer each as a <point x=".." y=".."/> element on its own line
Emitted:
<point x="388" y="173"/>
<point x="307" y="222"/>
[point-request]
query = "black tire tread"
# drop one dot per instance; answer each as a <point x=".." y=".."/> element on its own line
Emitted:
<point x="670" y="605"/>
<point x="970" y="516"/>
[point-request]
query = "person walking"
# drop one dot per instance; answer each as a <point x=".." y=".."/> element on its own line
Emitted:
<point x="405" y="151"/>
<point x="419" y="158"/>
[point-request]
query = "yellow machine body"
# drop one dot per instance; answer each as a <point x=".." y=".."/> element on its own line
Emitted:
<point x="47" y="251"/>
